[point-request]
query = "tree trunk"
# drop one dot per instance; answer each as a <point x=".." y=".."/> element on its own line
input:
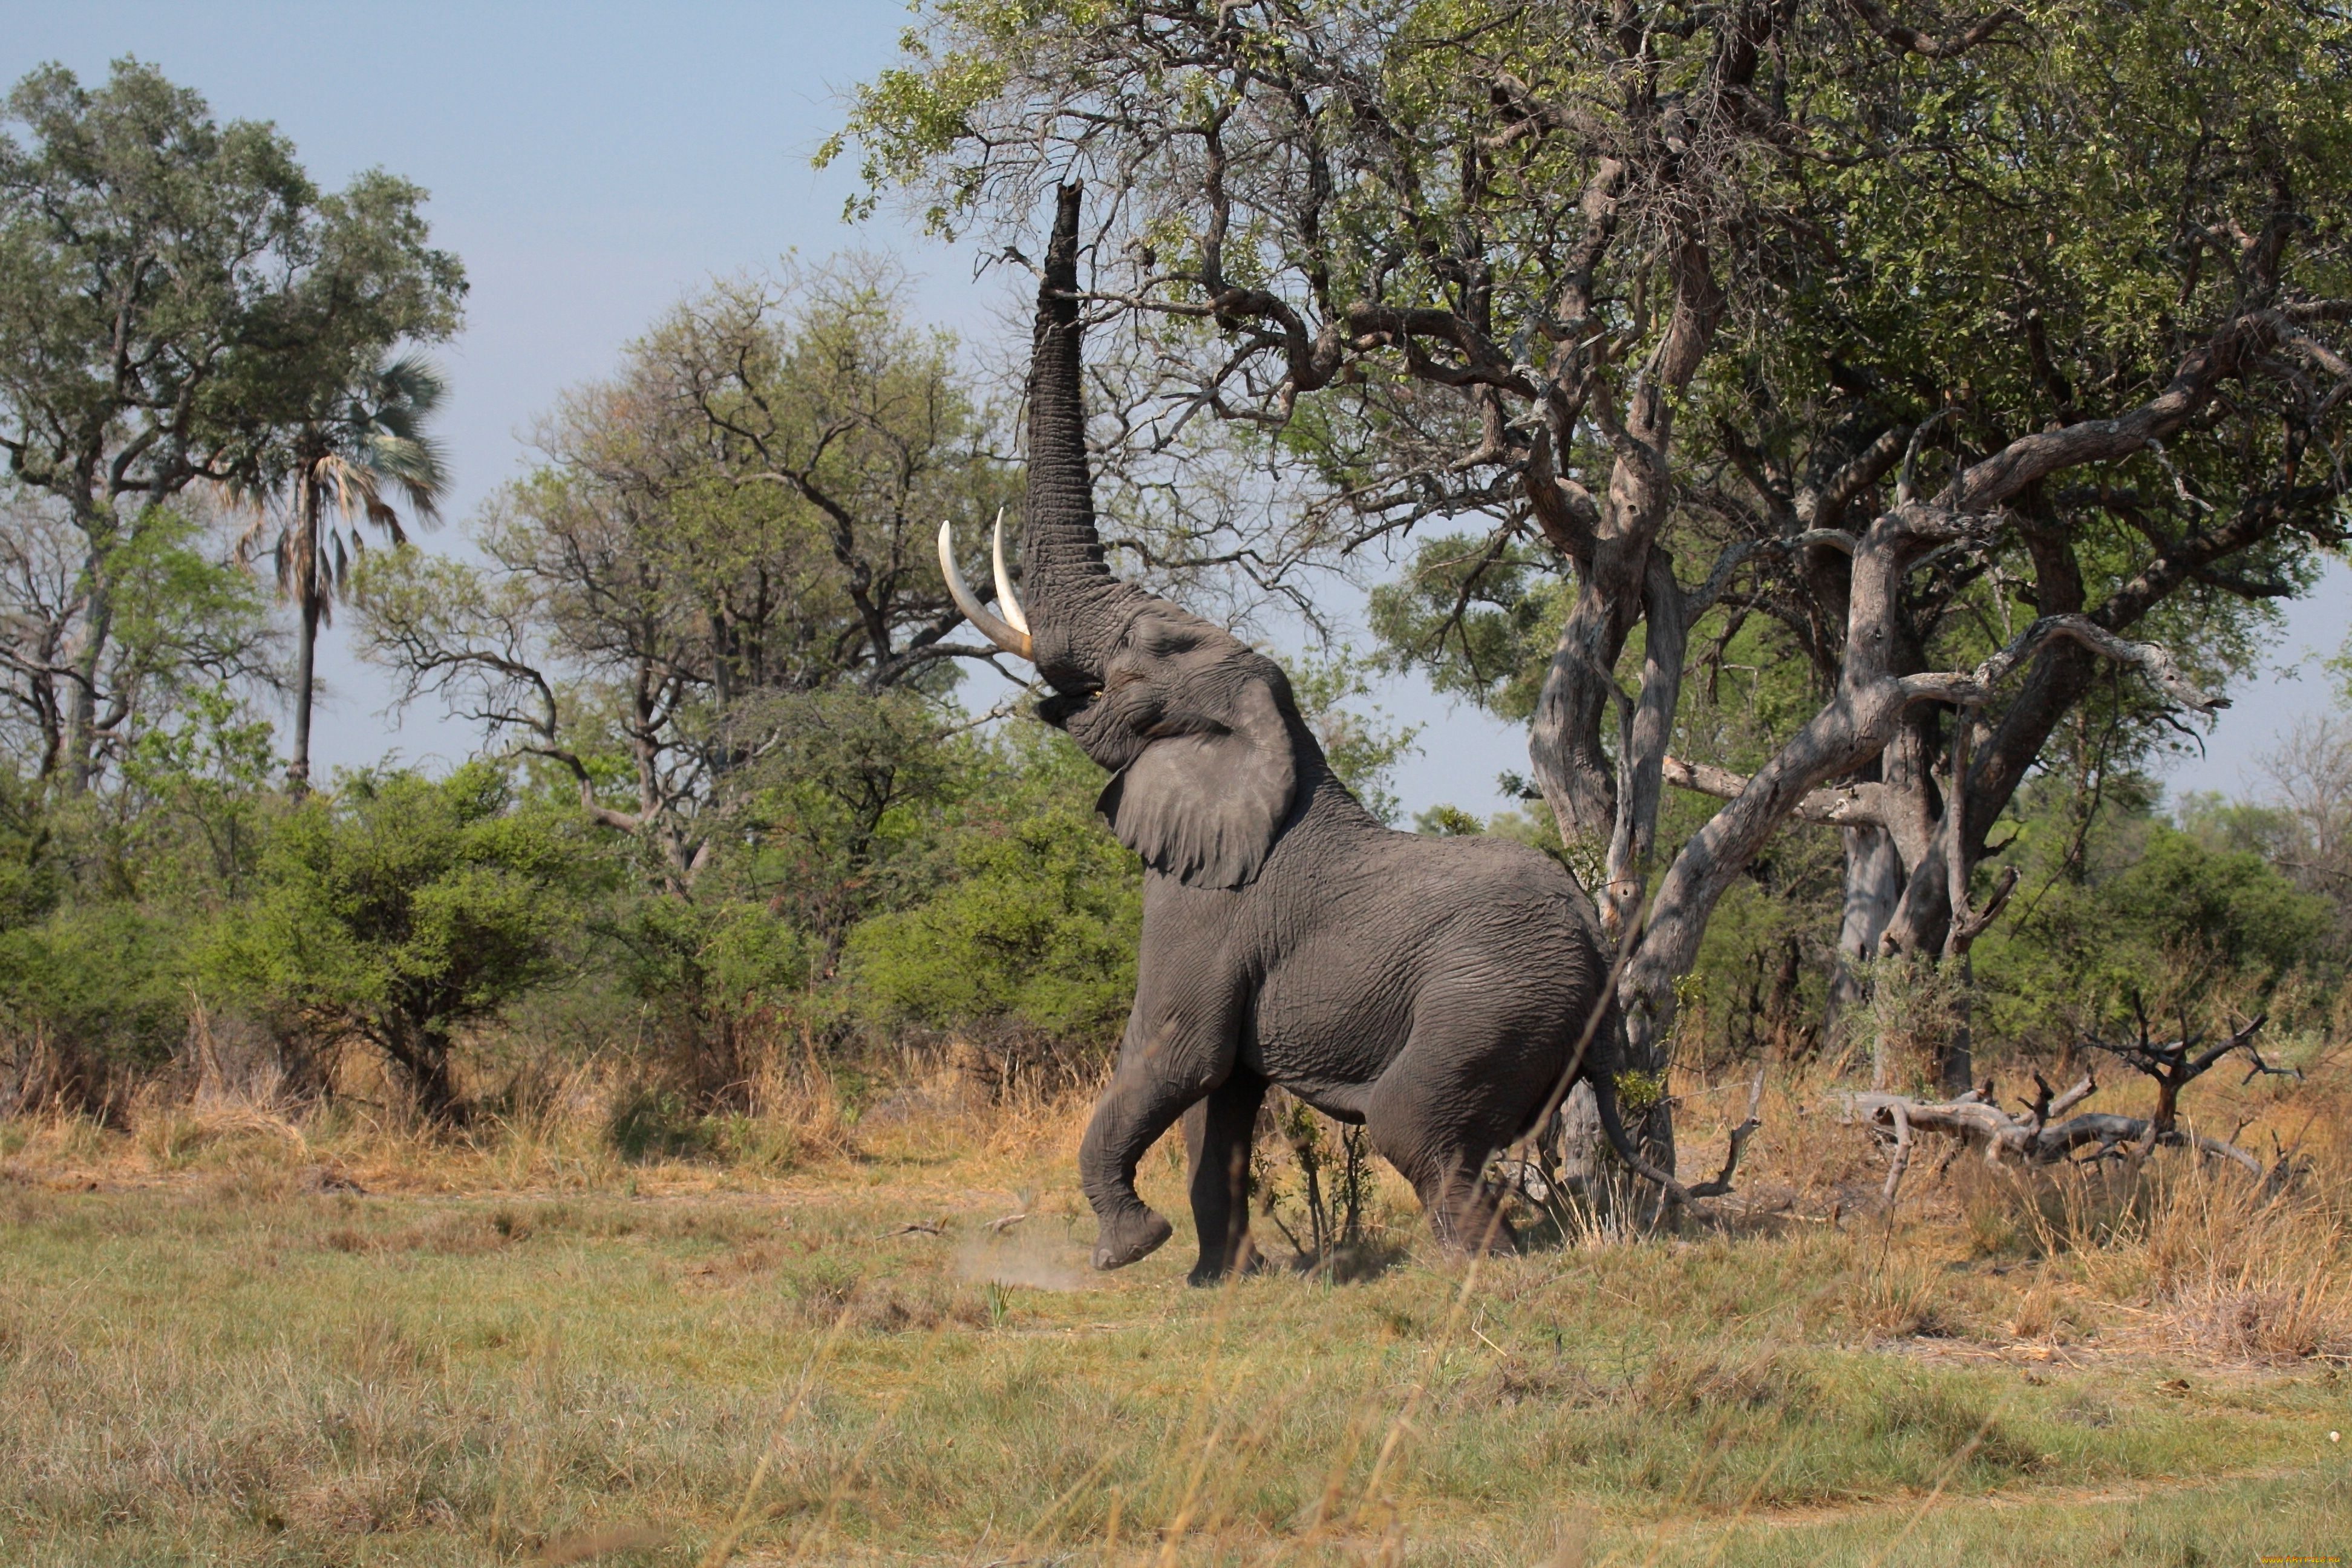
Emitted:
<point x="422" y="1056"/>
<point x="1874" y="882"/>
<point x="97" y="626"/>
<point x="1578" y="695"/>
<point x="306" y="598"/>
<point x="298" y="770"/>
<point x="1627" y="579"/>
<point x="436" y="1093"/>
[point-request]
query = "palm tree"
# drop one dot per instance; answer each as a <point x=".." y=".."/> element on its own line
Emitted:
<point x="368" y="440"/>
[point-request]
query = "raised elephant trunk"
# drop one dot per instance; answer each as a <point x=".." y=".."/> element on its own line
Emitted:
<point x="1078" y="609"/>
<point x="1081" y="611"/>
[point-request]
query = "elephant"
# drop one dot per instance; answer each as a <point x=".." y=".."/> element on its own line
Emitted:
<point x="1442" y="992"/>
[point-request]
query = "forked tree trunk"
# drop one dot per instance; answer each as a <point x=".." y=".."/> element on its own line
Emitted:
<point x="1623" y="579"/>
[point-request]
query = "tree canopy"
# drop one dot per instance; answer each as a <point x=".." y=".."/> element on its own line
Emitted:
<point x="1977" y="356"/>
<point x="741" y="517"/>
<point x="173" y="292"/>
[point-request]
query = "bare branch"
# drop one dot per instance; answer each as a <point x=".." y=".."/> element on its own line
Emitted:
<point x="1912" y="40"/>
<point x="1719" y="1184"/>
<point x="1845" y="806"/>
<point x="1973" y="687"/>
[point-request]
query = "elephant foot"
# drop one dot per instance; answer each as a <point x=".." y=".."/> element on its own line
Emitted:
<point x="1481" y="1231"/>
<point x="1128" y="1236"/>
<point x="1206" y="1272"/>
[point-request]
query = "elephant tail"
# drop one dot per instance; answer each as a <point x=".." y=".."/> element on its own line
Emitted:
<point x="1604" y="1100"/>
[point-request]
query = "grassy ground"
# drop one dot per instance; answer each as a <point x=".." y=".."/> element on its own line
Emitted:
<point x="811" y="1347"/>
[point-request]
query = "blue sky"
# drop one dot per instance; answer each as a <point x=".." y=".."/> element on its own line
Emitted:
<point x="591" y="162"/>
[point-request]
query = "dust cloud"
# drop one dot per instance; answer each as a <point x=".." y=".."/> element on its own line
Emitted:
<point x="1023" y="1255"/>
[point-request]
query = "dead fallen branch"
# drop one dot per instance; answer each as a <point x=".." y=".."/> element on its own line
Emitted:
<point x="2030" y="1135"/>
<point x="2041" y="1134"/>
<point x="1748" y="1124"/>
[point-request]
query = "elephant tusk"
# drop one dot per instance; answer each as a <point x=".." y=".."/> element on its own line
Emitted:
<point x="1011" y="639"/>
<point x="1006" y="600"/>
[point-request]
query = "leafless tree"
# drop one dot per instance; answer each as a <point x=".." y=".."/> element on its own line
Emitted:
<point x="745" y="512"/>
<point x="2310" y="777"/>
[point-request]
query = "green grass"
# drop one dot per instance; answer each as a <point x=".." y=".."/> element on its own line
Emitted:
<point x="222" y="1368"/>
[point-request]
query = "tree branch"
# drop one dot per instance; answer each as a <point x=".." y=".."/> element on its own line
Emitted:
<point x="1843" y="805"/>
<point x="1911" y="40"/>
<point x="1972" y="689"/>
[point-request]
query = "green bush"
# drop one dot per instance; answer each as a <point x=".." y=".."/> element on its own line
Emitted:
<point x="401" y="909"/>
<point x="2149" y="916"/>
<point x="103" y="984"/>
<point x="1034" y="923"/>
<point x="31" y="881"/>
<point x="705" y="977"/>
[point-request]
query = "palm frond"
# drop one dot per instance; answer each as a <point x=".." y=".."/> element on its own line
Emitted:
<point x="416" y="464"/>
<point x="412" y="381"/>
<point x="373" y="444"/>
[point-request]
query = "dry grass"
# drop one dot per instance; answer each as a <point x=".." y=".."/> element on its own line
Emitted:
<point x="564" y="1335"/>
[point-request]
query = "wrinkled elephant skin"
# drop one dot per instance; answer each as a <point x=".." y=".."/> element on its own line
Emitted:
<point x="1433" y="990"/>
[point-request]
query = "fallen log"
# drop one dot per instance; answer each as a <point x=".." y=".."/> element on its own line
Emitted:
<point x="2036" y="1133"/>
<point x="2040" y="1134"/>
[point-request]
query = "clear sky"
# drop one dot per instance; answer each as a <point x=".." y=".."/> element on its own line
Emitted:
<point x="592" y="162"/>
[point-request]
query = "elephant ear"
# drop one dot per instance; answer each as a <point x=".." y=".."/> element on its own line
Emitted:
<point x="1204" y="806"/>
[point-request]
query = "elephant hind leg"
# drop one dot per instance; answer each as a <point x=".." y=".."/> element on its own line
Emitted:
<point x="1218" y="1131"/>
<point x="1465" y="1214"/>
<point x="1466" y="1083"/>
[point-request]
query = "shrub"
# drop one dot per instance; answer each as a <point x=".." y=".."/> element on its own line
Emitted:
<point x="402" y="909"/>
<point x="90" y="996"/>
<point x="1035" y="927"/>
<point x="2153" y="916"/>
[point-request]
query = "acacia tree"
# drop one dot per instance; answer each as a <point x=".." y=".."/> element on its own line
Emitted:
<point x="170" y="288"/>
<point x="735" y="525"/>
<point x="1969" y="350"/>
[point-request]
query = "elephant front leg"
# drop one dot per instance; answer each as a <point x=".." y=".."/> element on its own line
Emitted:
<point x="1218" y="1131"/>
<point x="1153" y="1086"/>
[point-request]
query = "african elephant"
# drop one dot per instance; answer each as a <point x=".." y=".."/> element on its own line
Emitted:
<point x="1435" y="990"/>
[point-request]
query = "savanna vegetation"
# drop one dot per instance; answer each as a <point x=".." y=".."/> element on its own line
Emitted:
<point x="652" y="1140"/>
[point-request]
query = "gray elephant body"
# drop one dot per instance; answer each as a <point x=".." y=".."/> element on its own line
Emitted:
<point x="1475" y="942"/>
<point x="1435" y="989"/>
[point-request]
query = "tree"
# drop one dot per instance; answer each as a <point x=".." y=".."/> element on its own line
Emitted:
<point x="368" y="437"/>
<point x="169" y="288"/>
<point x="1030" y="927"/>
<point x="181" y="621"/>
<point x="2310" y="775"/>
<point x="740" y="519"/>
<point x="1970" y="354"/>
<point x="401" y="909"/>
